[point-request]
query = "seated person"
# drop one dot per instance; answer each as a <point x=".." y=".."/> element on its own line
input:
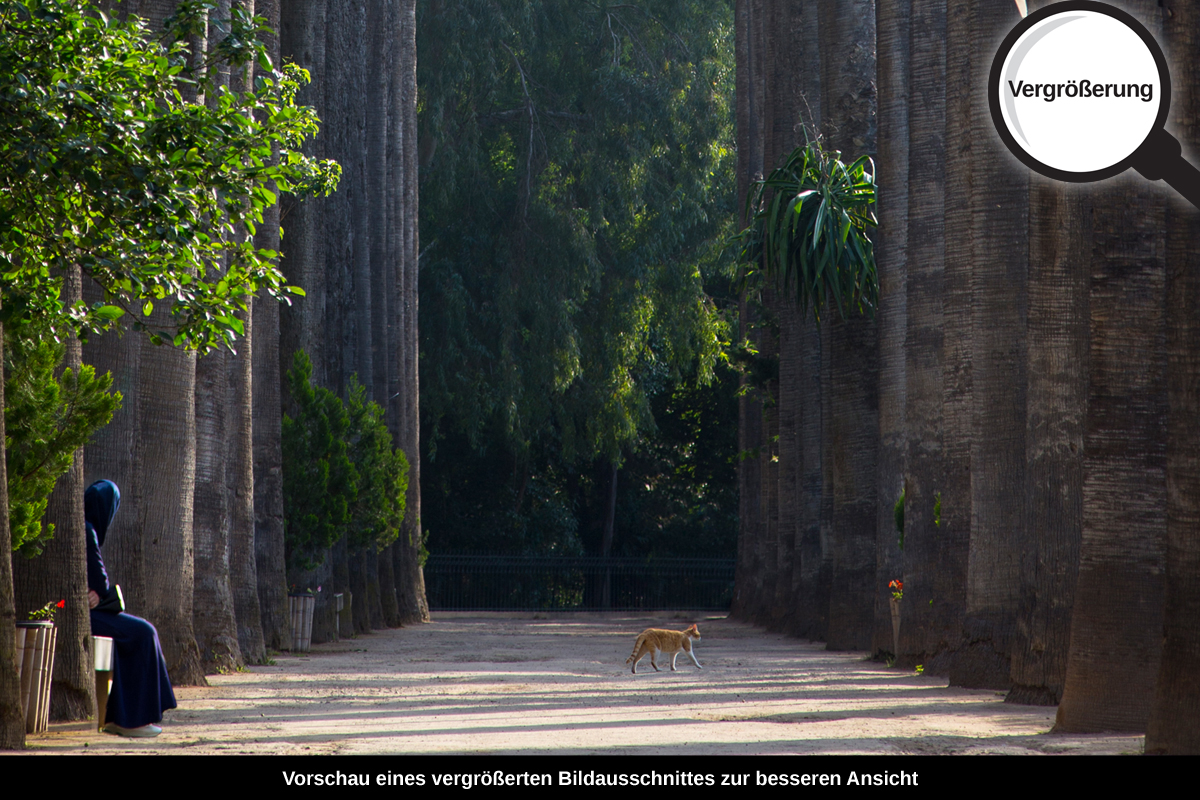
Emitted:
<point x="141" y="690"/>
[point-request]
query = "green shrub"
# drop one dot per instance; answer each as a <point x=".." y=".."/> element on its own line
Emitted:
<point x="341" y="475"/>
<point x="46" y="419"/>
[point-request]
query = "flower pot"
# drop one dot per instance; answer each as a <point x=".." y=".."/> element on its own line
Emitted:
<point x="895" y="627"/>
<point x="35" y="667"/>
<point x="300" y="609"/>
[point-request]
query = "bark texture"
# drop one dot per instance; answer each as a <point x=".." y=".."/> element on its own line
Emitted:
<point x="355" y="254"/>
<point x="267" y="411"/>
<point x="1174" y="723"/>
<point x="60" y="572"/>
<point x="12" y="716"/>
<point x="891" y="251"/>
<point x="997" y="264"/>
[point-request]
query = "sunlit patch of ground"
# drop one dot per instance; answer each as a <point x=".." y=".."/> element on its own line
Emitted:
<point x="505" y="683"/>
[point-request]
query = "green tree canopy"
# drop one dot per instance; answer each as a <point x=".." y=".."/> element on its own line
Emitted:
<point x="576" y="187"/>
<point x="108" y="161"/>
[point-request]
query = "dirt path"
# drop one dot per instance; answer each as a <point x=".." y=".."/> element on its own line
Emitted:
<point x="479" y="683"/>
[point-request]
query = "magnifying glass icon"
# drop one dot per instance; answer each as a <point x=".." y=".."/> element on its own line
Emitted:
<point x="1079" y="92"/>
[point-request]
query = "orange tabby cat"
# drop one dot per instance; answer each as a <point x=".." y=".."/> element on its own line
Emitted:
<point x="655" y="641"/>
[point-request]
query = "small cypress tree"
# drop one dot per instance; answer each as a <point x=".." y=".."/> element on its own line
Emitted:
<point x="382" y="471"/>
<point x="46" y="419"/>
<point x="341" y="475"/>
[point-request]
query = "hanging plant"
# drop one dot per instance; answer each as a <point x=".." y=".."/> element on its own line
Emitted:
<point x="809" y="233"/>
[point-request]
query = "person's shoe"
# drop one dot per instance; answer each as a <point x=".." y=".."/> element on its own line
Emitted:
<point x="144" y="732"/>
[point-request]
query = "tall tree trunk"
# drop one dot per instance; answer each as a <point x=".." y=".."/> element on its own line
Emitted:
<point x="243" y="564"/>
<point x="1174" y="724"/>
<point x="215" y="623"/>
<point x="787" y="103"/>
<point x="951" y="500"/>
<point x="769" y="608"/>
<point x="923" y="368"/>
<point x="12" y="716"/>
<point x="1059" y="267"/>
<point x="797" y="84"/>
<point x="891" y="249"/>
<point x="789" y="446"/>
<point x="381" y="139"/>
<point x="167" y="459"/>
<point x="356" y="254"/>
<point x="790" y="112"/>
<point x="997" y="272"/>
<point x="848" y="119"/>
<point x="60" y="572"/>
<point x="302" y="40"/>
<point x="748" y="91"/>
<point x="216" y="626"/>
<point x="269" y="550"/>
<point x="239" y="474"/>
<point x="1116" y="628"/>
<point x="408" y="551"/>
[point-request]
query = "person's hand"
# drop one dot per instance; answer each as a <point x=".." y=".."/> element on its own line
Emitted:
<point x="93" y="599"/>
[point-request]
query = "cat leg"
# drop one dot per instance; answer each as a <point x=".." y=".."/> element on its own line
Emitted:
<point x="653" y="662"/>
<point x="692" y="653"/>
<point x="638" y="655"/>
<point x="674" y="656"/>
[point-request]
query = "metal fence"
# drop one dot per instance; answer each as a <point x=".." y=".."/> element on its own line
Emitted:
<point x="548" y="583"/>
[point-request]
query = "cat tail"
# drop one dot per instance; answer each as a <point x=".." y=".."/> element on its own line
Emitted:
<point x="636" y="646"/>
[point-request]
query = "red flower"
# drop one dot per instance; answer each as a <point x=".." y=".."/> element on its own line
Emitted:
<point x="62" y="603"/>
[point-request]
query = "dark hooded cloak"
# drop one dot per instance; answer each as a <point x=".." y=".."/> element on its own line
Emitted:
<point x="141" y="690"/>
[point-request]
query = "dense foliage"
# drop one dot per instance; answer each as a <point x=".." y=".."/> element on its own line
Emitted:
<point x="810" y="231"/>
<point x="341" y="476"/>
<point x="47" y="417"/>
<point x="108" y="161"/>
<point x="576" y="191"/>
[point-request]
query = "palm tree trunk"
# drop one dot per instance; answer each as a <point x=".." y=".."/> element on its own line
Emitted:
<point x="301" y="326"/>
<point x="269" y="550"/>
<point x="848" y="75"/>
<point x="891" y="249"/>
<point x="215" y="623"/>
<point x="950" y="502"/>
<point x="1057" y="341"/>
<point x="1174" y="724"/>
<point x="60" y="572"/>
<point x="149" y="450"/>
<point x="166" y="465"/>
<point x="931" y="606"/>
<point x="749" y="91"/>
<point x="381" y="141"/>
<point x="408" y="551"/>
<point x="12" y="716"/>
<point x="216" y="627"/>
<point x="243" y="569"/>
<point x="996" y="270"/>
<point x="268" y="542"/>
<point x="1116" y="628"/>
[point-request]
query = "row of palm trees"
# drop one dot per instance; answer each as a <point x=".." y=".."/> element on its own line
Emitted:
<point x="1027" y="385"/>
<point x="198" y="546"/>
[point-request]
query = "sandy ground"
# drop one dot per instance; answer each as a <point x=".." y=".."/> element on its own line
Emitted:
<point x="557" y="684"/>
